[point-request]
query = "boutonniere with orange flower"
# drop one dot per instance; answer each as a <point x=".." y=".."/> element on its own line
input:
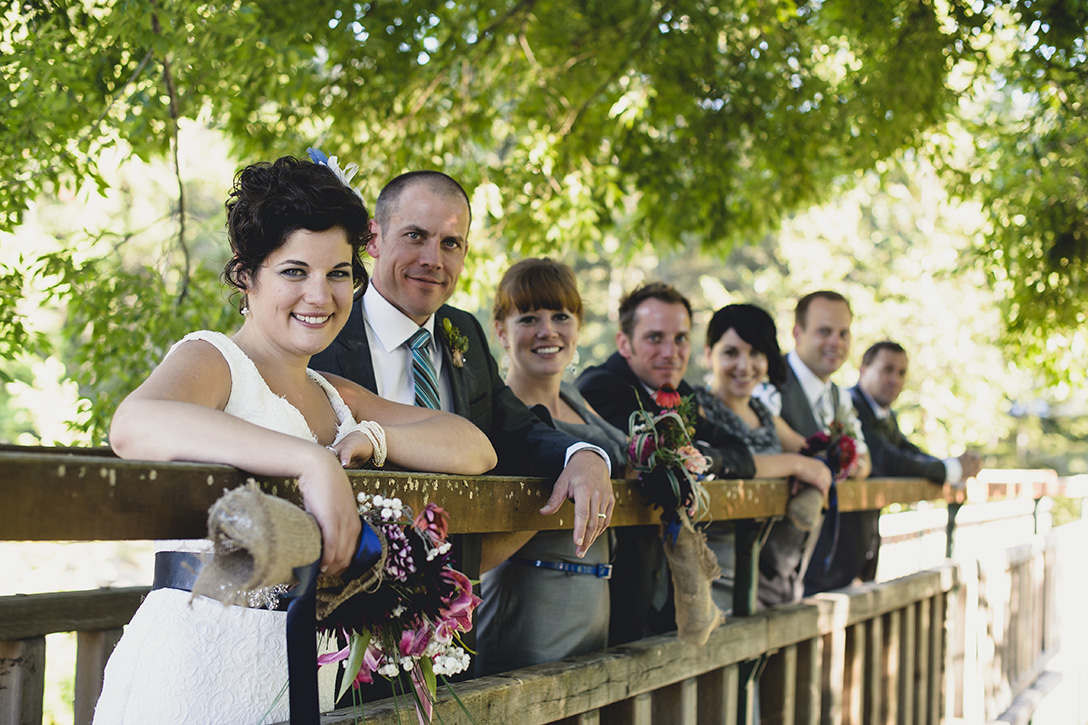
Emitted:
<point x="456" y="342"/>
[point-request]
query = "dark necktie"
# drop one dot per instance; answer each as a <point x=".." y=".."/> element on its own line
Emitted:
<point x="889" y="429"/>
<point x="423" y="373"/>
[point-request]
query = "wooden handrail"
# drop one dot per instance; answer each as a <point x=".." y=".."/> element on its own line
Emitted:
<point x="68" y="496"/>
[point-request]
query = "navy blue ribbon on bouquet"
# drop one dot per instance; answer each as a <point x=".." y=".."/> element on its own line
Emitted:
<point x="833" y="512"/>
<point x="302" y="627"/>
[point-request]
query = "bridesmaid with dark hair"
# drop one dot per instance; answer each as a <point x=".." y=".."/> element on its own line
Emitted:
<point x="742" y="353"/>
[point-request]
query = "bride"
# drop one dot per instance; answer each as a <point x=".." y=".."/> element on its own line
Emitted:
<point x="249" y="400"/>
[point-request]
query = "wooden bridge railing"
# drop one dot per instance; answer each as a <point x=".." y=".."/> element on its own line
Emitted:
<point x="879" y="653"/>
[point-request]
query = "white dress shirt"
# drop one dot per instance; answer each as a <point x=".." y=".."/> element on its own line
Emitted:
<point x="387" y="330"/>
<point x="820" y="399"/>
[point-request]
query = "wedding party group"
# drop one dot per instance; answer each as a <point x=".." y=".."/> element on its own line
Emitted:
<point x="334" y="367"/>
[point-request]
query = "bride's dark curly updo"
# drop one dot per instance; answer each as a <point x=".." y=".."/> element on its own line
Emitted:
<point x="271" y="200"/>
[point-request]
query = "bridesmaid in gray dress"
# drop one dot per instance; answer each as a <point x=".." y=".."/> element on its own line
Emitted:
<point x="541" y="602"/>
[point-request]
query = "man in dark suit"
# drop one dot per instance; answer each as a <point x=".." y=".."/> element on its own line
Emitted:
<point x="883" y="374"/>
<point x="403" y="342"/>
<point x="809" y="402"/>
<point x="654" y="344"/>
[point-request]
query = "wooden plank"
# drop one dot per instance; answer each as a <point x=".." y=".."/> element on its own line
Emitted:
<point x="712" y="697"/>
<point x="892" y="667"/>
<point x="922" y="661"/>
<point x="638" y="710"/>
<point x="789" y="695"/>
<point x="874" y="670"/>
<point x="938" y="658"/>
<point x="731" y="692"/>
<point x="28" y="615"/>
<point x="677" y="703"/>
<point x="831" y="681"/>
<point x="72" y="497"/>
<point x="773" y="686"/>
<point x="810" y="657"/>
<point x="92" y="651"/>
<point x="853" y="686"/>
<point x="906" y="664"/>
<point x="22" y="681"/>
<point x="593" y="717"/>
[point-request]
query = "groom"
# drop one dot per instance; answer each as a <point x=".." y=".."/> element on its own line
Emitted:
<point x="404" y="343"/>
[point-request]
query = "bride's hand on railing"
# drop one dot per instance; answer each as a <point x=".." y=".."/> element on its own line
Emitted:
<point x="353" y="450"/>
<point x="813" y="472"/>
<point x="327" y="494"/>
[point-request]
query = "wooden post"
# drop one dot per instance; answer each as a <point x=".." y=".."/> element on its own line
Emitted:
<point x="874" y="671"/>
<point x="638" y="710"/>
<point x="853" y="682"/>
<point x="892" y="672"/>
<point x="92" y="650"/>
<point x="834" y="662"/>
<point x="677" y="703"/>
<point x="950" y="530"/>
<point x="717" y="695"/>
<point x="810" y="658"/>
<point x="938" y="658"/>
<point x="922" y="663"/>
<point x="750" y="535"/>
<point x="22" y="681"/>
<point x="906" y="664"/>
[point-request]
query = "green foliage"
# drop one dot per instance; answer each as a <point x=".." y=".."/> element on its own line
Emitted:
<point x="1028" y="131"/>
<point x="120" y="323"/>
<point x="614" y="128"/>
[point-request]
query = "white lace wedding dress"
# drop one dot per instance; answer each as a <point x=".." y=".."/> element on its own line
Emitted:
<point x="199" y="661"/>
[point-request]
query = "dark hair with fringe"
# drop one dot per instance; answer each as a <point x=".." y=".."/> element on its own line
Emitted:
<point x="270" y="200"/>
<point x="652" y="291"/>
<point x="537" y="284"/>
<point x="756" y="328"/>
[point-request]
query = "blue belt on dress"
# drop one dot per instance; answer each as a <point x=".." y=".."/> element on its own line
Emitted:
<point x="179" y="570"/>
<point x="601" y="571"/>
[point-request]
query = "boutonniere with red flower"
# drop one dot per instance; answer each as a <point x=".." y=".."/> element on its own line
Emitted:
<point x="456" y="342"/>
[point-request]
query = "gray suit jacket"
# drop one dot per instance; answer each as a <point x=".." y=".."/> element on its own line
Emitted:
<point x="855" y="552"/>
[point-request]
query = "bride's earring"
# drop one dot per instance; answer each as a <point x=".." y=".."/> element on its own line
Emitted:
<point x="245" y="305"/>
<point x="573" y="367"/>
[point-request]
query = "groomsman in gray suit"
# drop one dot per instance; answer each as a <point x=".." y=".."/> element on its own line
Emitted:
<point x="883" y="374"/>
<point x="808" y="401"/>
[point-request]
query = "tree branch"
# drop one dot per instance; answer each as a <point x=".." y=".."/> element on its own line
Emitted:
<point x="175" y="114"/>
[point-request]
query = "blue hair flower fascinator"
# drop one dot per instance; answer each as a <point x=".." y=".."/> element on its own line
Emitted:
<point x="345" y="175"/>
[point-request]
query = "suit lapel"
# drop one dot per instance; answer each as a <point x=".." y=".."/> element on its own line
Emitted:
<point x="354" y="357"/>
<point x="459" y="383"/>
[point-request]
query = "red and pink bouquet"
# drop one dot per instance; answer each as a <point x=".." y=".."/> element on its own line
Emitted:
<point x="410" y="623"/>
<point x="835" y="447"/>
<point x="661" y="450"/>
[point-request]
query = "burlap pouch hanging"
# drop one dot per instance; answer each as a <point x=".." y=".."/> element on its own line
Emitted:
<point x="805" y="508"/>
<point x="258" y="540"/>
<point x="693" y="567"/>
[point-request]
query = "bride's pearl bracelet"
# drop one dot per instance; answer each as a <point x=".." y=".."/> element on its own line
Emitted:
<point x="376" y="434"/>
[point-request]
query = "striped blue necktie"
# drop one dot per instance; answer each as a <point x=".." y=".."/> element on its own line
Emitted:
<point x="423" y="373"/>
